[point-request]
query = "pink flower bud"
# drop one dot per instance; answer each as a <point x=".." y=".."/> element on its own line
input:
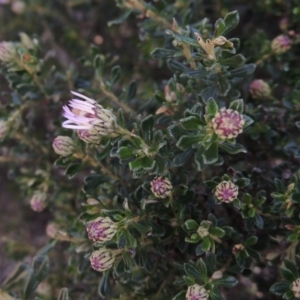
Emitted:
<point x="161" y="187"/>
<point x="63" y="145"/>
<point x="259" y="89"/>
<point x="89" y="136"/>
<point x="196" y="292"/>
<point x="226" y="191"/>
<point x="102" y="259"/>
<point x="295" y="287"/>
<point x="227" y="123"/>
<point x="101" y="229"/>
<point x="38" y="201"/>
<point x="7" y="52"/>
<point x="281" y="44"/>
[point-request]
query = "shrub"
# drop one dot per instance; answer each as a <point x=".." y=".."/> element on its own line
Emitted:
<point x="183" y="166"/>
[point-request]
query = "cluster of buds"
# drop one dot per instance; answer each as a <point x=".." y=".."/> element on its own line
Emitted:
<point x="89" y="118"/>
<point x="38" y="201"/>
<point x="203" y="229"/>
<point x="101" y="229"/>
<point x="259" y="89"/>
<point x="226" y="191"/>
<point x="209" y="45"/>
<point x="281" y="44"/>
<point x="63" y="145"/>
<point x="295" y="287"/>
<point x="161" y="187"/>
<point x="196" y="292"/>
<point x="228" y="123"/>
<point x="102" y="259"/>
<point x="8" y="52"/>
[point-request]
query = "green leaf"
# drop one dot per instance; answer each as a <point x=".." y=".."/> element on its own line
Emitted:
<point x="191" y="270"/>
<point x="162" y="53"/>
<point x="295" y="197"/>
<point x="16" y="276"/>
<point x="199" y="160"/>
<point x="252" y="240"/>
<point x="242" y="182"/>
<point x="129" y="240"/>
<point x="291" y="267"/>
<point x="289" y="295"/>
<point x="227" y="282"/>
<point x="259" y="221"/>
<point x="293" y="237"/>
<point x="191" y="224"/>
<point x="224" y="85"/>
<point x="234" y="61"/>
<point x="206" y="244"/>
<point x="73" y="169"/>
<point x="210" y="155"/>
<point x="191" y="123"/>
<point x="104" y="285"/>
<point x="142" y="227"/>
<point x="280" y="288"/>
<point x="182" y="157"/>
<point x="231" y="21"/>
<point x="237" y="105"/>
<point x="131" y="91"/>
<point x="115" y="75"/>
<point x="180" y="296"/>
<point x="40" y="265"/>
<point x="243" y="71"/>
<point x="202" y="269"/>
<point x="210" y="262"/>
<point x="98" y="64"/>
<point x="147" y="128"/>
<point x="187" y="141"/>
<point x="183" y="39"/>
<point x="63" y="294"/>
<point x="125" y="152"/>
<point x="217" y="231"/>
<point x="219" y="27"/>
<point x="211" y="107"/>
<point x="248" y="121"/>
<point x="286" y="274"/>
<point x="120" y="19"/>
<point x="232" y="148"/>
<point x="142" y="163"/>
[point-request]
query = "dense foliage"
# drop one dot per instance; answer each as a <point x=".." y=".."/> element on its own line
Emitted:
<point x="173" y="171"/>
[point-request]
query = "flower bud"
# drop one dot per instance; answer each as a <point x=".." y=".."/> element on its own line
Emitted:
<point x="18" y="7"/>
<point x="226" y="191"/>
<point x="284" y="24"/>
<point x="102" y="259"/>
<point x="161" y="187"/>
<point x="203" y="231"/>
<point x="52" y="230"/>
<point x="259" y="89"/>
<point x="196" y="292"/>
<point x="63" y="145"/>
<point x="7" y="52"/>
<point x="228" y="123"/>
<point x="4" y="129"/>
<point x="281" y="44"/>
<point x="295" y="287"/>
<point x="101" y="229"/>
<point x="219" y="41"/>
<point x="89" y="136"/>
<point x="238" y="248"/>
<point x="89" y="115"/>
<point x="38" y="201"/>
